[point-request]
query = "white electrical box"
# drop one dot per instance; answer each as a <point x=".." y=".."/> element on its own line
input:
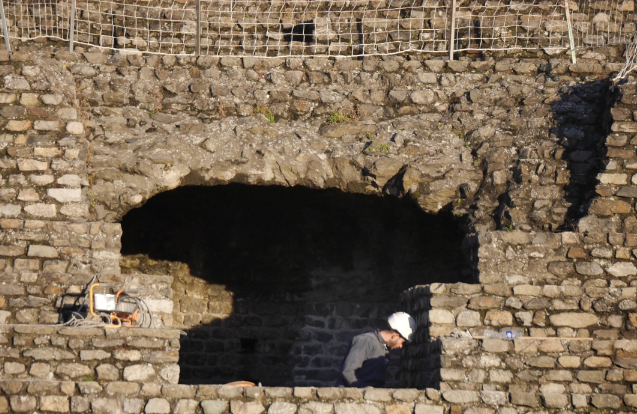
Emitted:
<point x="104" y="302"/>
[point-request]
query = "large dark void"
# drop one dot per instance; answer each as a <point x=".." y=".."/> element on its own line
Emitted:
<point x="302" y="271"/>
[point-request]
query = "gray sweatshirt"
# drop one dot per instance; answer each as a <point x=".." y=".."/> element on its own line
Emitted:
<point x="366" y="361"/>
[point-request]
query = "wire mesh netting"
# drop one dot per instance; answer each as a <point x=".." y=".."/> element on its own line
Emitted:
<point x="321" y="27"/>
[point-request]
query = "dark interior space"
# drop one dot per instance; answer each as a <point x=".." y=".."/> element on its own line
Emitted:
<point x="271" y="283"/>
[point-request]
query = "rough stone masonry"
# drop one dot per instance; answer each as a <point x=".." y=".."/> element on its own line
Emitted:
<point x="533" y="154"/>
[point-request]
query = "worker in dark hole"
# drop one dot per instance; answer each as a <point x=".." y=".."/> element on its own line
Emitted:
<point x="366" y="361"/>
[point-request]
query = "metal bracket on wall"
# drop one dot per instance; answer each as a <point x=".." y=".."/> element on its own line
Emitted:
<point x="5" y="31"/>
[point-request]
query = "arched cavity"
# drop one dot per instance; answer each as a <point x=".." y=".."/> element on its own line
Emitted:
<point x="272" y="282"/>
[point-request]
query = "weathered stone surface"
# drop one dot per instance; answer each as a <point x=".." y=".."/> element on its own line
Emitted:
<point x="54" y="403"/>
<point x="104" y="405"/>
<point x="574" y="319"/>
<point x="139" y="373"/>
<point x="157" y="406"/>
<point x="428" y="409"/>
<point x="65" y="195"/>
<point x="281" y="407"/>
<point x="354" y="408"/>
<point x="214" y="406"/>
<point x="494" y="397"/>
<point x="468" y="318"/>
<point x="73" y="370"/>
<point x="527" y="399"/>
<point x="460" y="397"/>
<point x="605" y="401"/>
<point x="22" y="403"/>
<point x="42" y="251"/>
<point x="240" y="407"/>
<point x="622" y="269"/>
<point x="588" y="268"/>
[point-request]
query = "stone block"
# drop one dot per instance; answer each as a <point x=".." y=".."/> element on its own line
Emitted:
<point x="355" y="408"/>
<point x="452" y="374"/>
<point x="73" y="370"/>
<point x="441" y="316"/>
<point x="13" y="368"/>
<point x="574" y="319"/>
<point x="606" y="401"/>
<point x="214" y="406"/>
<point x="281" y="407"/>
<point x="541" y="362"/>
<point x="105" y="405"/>
<point x="598" y="362"/>
<point x="591" y="376"/>
<point x="398" y="409"/>
<point x="527" y="399"/>
<point x="556" y="400"/>
<point x="65" y="195"/>
<point x="157" y="406"/>
<point x="527" y="290"/>
<point x="329" y="393"/>
<point x="428" y="409"/>
<point x="127" y="355"/>
<point x="498" y="398"/>
<point x="16" y="125"/>
<point x="551" y="346"/>
<point x="460" y="396"/>
<point x="22" y="403"/>
<point x="186" y="407"/>
<point x="240" y="407"/>
<point x="630" y="400"/>
<point x="498" y="318"/>
<point x="468" y="319"/>
<point x="378" y="394"/>
<point x="42" y="251"/>
<point x="315" y="407"/>
<point x="55" y="403"/>
<point x="449" y="302"/>
<point x="622" y="269"/>
<point x="484" y="302"/>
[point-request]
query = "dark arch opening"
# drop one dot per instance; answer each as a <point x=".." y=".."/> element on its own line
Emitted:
<point x="272" y="283"/>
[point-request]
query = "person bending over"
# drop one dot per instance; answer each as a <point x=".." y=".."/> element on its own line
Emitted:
<point x="366" y="361"/>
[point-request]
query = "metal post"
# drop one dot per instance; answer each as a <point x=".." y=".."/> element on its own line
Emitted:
<point x="198" y="38"/>
<point x="570" y="31"/>
<point x="453" y="29"/>
<point x="5" y="32"/>
<point x="72" y="26"/>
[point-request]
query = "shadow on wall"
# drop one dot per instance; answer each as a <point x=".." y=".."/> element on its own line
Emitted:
<point x="583" y="121"/>
<point x="272" y="283"/>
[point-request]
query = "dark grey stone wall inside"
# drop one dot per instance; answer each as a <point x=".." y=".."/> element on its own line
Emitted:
<point x="274" y="282"/>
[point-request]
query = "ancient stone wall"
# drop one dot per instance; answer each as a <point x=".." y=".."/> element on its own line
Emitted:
<point x="510" y="145"/>
<point x="55" y="353"/>
<point x="133" y="398"/>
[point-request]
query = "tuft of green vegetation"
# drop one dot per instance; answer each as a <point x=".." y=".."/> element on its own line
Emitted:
<point x="88" y="378"/>
<point x="266" y="112"/>
<point x="384" y="148"/>
<point x="154" y="111"/>
<point x="337" y="117"/>
<point x="369" y="135"/>
<point x="509" y="228"/>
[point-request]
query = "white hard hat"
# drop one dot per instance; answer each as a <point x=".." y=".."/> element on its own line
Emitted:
<point x="403" y="323"/>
